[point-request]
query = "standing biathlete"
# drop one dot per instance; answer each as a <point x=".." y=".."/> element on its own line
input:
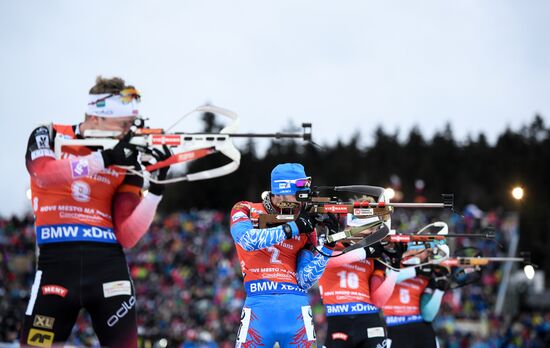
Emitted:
<point x="87" y="209"/>
<point x="413" y="304"/>
<point x="278" y="264"/>
<point x="353" y="288"/>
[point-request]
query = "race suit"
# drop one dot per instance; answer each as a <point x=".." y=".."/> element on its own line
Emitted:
<point x="407" y="312"/>
<point x="277" y="273"/>
<point x="84" y="214"/>
<point x="351" y="304"/>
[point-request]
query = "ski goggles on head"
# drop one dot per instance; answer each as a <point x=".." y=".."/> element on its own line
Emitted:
<point x="290" y="186"/>
<point x="126" y="96"/>
<point x="129" y="94"/>
<point x="302" y="183"/>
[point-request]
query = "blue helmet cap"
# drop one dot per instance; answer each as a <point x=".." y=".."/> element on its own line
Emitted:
<point x="284" y="177"/>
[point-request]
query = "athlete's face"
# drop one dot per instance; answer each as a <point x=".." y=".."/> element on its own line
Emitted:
<point x="278" y="199"/>
<point x="120" y="124"/>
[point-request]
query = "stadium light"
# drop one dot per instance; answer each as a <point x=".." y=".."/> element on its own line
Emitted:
<point x="389" y="193"/>
<point x="518" y="193"/>
<point x="529" y="271"/>
<point x="29" y="194"/>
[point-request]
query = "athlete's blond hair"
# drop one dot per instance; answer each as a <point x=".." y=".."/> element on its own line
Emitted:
<point x="108" y="85"/>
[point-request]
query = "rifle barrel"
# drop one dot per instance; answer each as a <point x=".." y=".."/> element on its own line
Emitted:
<point x="504" y="259"/>
<point x="415" y="205"/>
<point x="265" y="135"/>
<point x="367" y="204"/>
<point x="478" y="261"/>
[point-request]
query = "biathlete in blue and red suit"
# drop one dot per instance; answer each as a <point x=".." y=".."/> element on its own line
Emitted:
<point x="87" y="209"/>
<point x="278" y="264"/>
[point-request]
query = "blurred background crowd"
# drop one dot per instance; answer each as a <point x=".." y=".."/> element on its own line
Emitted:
<point x="187" y="276"/>
<point x="189" y="285"/>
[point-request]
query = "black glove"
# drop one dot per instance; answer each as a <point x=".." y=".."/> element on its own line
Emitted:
<point x="395" y="252"/>
<point x="306" y="222"/>
<point x="426" y="271"/>
<point x="155" y="188"/>
<point x="332" y="224"/>
<point x="374" y="251"/>
<point x="441" y="283"/>
<point x="134" y="180"/>
<point x="123" y="154"/>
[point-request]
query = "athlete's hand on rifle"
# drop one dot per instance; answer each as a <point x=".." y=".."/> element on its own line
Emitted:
<point x="425" y="271"/>
<point x="374" y="251"/>
<point x="332" y="223"/>
<point x="306" y="222"/>
<point x="155" y="188"/>
<point x="395" y="253"/>
<point x="123" y="154"/>
<point x="441" y="283"/>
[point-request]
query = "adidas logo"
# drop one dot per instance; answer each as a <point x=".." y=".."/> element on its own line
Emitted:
<point x="128" y="153"/>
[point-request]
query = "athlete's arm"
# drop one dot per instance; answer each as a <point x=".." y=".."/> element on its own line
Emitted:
<point x="133" y="216"/>
<point x="405" y="273"/>
<point x="382" y="285"/>
<point x="371" y="252"/>
<point x="430" y="303"/>
<point x="310" y="266"/>
<point x="47" y="171"/>
<point x="350" y="257"/>
<point x="250" y="238"/>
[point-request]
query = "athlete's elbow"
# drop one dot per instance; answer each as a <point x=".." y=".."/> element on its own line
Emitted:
<point x="247" y="247"/>
<point x="126" y="238"/>
<point x="379" y="302"/>
<point x="376" y="302"/>
<point x="304" y="284"/>
<point x="128" y="243"/>
<point x="429" y="317"/>
<point x="244" y="240"/>
<point x="381" y="296"/>
<point x="43" y="182"/>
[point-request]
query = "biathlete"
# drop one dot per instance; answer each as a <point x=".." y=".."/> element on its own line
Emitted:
<point x="87" y="210"/>
<point x="279" y="264"/>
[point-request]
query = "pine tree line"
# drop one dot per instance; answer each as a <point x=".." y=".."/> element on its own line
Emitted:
<point x="474" y="170"/>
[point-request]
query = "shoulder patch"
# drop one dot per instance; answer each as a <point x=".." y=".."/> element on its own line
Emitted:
<point x="42" y="137"/>
<point x="239" y="216"/>
<point x="241" y="206"/>
<point x="42" y="130"/>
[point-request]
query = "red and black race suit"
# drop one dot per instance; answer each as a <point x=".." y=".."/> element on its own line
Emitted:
<point x="71" y="276"/>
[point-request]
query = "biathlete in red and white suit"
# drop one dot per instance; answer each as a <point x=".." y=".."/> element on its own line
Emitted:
<point x="353" y="288"/>
<point x="279" y="264"/>
<point x="86" y="211"/>
<point x="413" y="304"/>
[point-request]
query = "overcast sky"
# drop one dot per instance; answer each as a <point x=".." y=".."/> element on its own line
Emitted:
<point x="343" y="65"/>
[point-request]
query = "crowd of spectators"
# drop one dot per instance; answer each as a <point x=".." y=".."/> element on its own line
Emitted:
<point x="189" y="286"/>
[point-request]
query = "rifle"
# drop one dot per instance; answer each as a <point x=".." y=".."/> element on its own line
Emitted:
<point x="433" y="238"/>
<point x="190" y="146"/>
<point x="462" y="270"/>
<point x="315" y="203"/>
<point x="373" y="215"/>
